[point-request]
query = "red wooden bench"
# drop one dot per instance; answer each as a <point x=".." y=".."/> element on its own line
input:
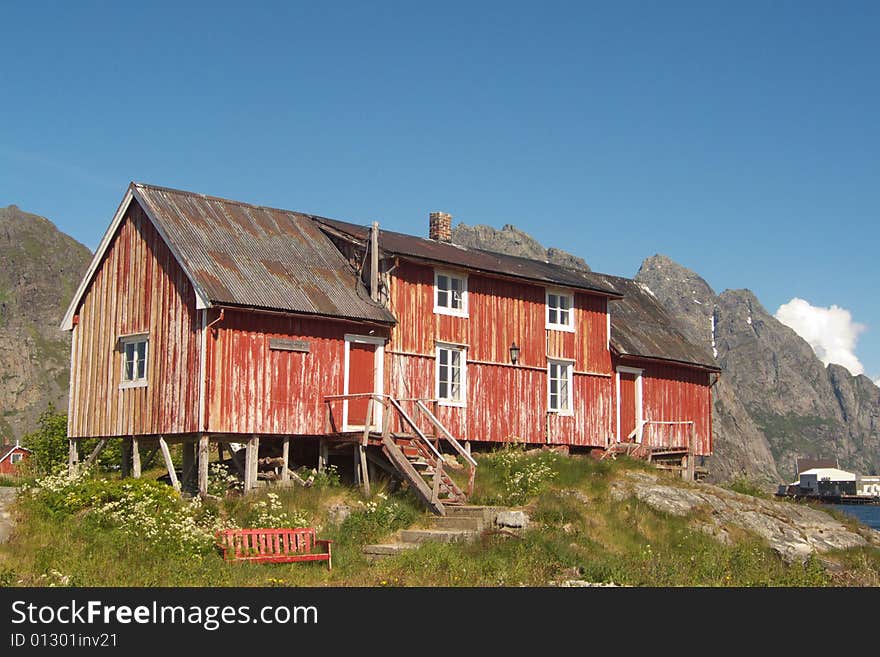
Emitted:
<point x="273" y="545"/>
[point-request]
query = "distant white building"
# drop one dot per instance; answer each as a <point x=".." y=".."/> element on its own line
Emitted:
<point x="868" y="485"/>
<point x="827" y="481"/>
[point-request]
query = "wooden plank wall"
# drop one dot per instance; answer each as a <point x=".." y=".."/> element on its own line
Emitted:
<point x="139" y="287"/>
<point x="504" y="402"/>
<point x="675" y="393"/>
<point x="252" y="388"/>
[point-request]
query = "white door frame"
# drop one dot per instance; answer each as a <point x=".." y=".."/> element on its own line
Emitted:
<point x="378" y="380"/>
<point x="639" y="412"/>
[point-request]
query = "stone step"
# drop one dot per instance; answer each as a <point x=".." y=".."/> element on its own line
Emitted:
<point x="388" y="549"/>
<point x="486" y="513"/>
<point x="458" y="522"/>
<point x="435" y="535"/>
<point x="383" y="551"/>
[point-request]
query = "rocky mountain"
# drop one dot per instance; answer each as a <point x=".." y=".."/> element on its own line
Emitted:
<point x="40" y="268"/>
<point x="792" y="402"/>
<point x="513" y="241"/>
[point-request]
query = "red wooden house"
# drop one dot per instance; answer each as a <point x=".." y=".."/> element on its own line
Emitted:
<point x="11" y="456"/>
<point x="207" y="320"/>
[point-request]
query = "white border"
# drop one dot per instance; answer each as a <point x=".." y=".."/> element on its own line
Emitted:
<point x="569" y="365"/>
<point x="639" y="406"/>
<point x="452" y="347"/>
<point x="378" y="378"/>
<point x="443" y="310"/>
<point x="563" y="293"/>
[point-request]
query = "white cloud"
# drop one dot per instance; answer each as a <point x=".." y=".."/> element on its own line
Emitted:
<point x="831" y="332"/>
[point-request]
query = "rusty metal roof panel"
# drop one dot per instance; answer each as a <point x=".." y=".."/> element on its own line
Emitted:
<point x="641" y="326"/>
<point x="258" y="257"/>
<point x="477" y="259"/>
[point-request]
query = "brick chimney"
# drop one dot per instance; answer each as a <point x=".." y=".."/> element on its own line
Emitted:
<point x="440" y="226"/>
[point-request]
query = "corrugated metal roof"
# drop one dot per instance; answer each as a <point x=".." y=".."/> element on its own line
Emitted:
<point x="258" y="257"/>
<point x="477" y="259"/>
<point x="641" y="326"/>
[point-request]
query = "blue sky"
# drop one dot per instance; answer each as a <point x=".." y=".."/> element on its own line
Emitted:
<point x="741" y="139"/>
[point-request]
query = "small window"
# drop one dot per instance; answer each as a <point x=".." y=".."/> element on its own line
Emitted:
<point x="451" y="365"/>
<point x="450" y="293"/>
<point x="559" y="386"/>
<point x="560" y="311"/>
<point x="134" y="360"/>
<point x="16" y="457"/>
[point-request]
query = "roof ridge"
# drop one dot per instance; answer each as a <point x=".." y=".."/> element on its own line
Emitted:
<point x="221" y="199"/>
<point x="581" y="273"/>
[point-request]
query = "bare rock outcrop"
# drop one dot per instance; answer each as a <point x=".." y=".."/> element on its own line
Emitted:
<point x="794" y="531"/>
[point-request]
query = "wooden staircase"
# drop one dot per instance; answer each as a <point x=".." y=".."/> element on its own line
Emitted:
<point x="423" y="467"/>
<point x="415" y="455"/>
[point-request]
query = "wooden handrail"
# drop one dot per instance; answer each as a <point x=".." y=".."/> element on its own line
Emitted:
<point x="375" y="395"/>
<point x="449" y="437"/>
<point x="418" y="431"/>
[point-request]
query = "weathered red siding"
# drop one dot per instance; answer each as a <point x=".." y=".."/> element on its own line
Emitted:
<point x="139" y="287"/>
<point x="677" y="394"/>
<point x="504" y="402"/>
<point x="254" y="389"/>
<point x="674" y="393"/>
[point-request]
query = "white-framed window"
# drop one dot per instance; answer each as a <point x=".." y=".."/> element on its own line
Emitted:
<point x="560" y="310"/>
<point x="451" y="379"/>
<point x="135" y="352"/>
<point x="559" y="386"/>
<point x="450" y="293"/>
<point x="16" y="457"/>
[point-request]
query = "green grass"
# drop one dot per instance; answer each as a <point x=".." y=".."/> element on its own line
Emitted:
<point x="577" y="531"/>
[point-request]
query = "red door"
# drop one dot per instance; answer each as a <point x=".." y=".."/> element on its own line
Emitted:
<point x="627" y="406"/>
<point x="361" y="378"/>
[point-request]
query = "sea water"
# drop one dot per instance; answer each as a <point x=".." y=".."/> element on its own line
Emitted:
<point x="867" y="514"/>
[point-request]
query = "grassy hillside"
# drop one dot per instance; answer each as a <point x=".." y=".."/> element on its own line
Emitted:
<point x="106" y="532"/>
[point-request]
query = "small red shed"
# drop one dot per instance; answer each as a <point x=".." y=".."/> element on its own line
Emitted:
<point x="11" y="456"/>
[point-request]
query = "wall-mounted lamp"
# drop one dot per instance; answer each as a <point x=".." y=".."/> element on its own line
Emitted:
<point x="514" y="353"/>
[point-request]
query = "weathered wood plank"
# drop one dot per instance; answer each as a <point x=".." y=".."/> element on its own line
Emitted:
<point x="169" y="464"/>
<point x="95" y="453"/>
<point x="285" y="454"/>
<point x="204" y="458"/>
<point x="135" y="458"/>
<point x="72" y="458"/>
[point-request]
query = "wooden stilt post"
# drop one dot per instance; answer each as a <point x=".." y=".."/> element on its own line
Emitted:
<point x="323" y="454"/>
<point x="125" y="457"/>
<point x="135" y="458"/>
<point x="95" y="452"/>
<point x="365" y="470"/>
<point x="250" y="463"/>
<point x="166" y="454"/>
<point x="285" y="454"/>
<point x="72" y="458"/>
<point x="204" y="457"/>
<point x="220" y="451"/>
<point x="357" y="465"/>
<point x="189" y="465"/>
<point x="467" y="446"/>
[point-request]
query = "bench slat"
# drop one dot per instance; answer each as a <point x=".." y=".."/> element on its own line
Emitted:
<point x="273" y="545"/>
